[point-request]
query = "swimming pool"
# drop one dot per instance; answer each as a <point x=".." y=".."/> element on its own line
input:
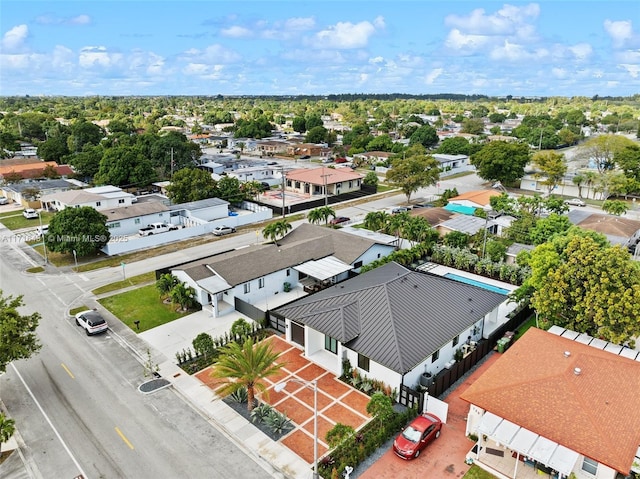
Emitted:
<point x="480" y="284"/>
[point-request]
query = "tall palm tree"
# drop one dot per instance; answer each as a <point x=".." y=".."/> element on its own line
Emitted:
<point x="322" y="213"/>
<point x="277" y="229"/>
<point x="166" y="283"/>
<point x="7" y="428"/>
<point x="183" y="295"/>
<point x="314" y="216"/>
<point x="243" y="366"/>
<point x="376" y="220"/>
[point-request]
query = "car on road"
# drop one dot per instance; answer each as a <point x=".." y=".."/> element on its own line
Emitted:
<point x="223" y="230"/>
<point x="416" y="436"/>
<point x="30" y="213"/>
<point x="91" y="321"/>
<point x="399" y="209"/>
<point x="575" y="202"/>
<point x="305" y="157"/>
<point x="339" y="219"/>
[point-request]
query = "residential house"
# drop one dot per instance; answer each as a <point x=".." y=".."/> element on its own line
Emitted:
<point x="308" y="258"/>
<point x="391" y="323"/>
<point x="23" y="192"/>
<point x="31" y="168"/>
<point x="560" y="402"/>
<point x="323" y="181"/>
<point x="303" y="149"/>
<point x="272" y="147"/>
<point x="99" y="197"/>
<point x="451" y="162"/>
<point x="127" y="220"/>
<point x="469" y="225"/>
<point x="372" y="157"/>
<point x="617" y="229"/>
<point x="475" y="199"/>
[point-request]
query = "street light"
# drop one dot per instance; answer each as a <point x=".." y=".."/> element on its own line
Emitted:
<point x="314" y="385"/>
<point x="75" y="258"/>
<point x="44" y="244"/>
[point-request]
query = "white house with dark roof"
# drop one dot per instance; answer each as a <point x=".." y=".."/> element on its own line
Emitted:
<point x="308" y="258"/>
<point x="100" y="198"/>
<point x="392" y="323"/>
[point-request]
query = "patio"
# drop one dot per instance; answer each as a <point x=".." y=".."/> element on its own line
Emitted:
<point x="502" y="463"/>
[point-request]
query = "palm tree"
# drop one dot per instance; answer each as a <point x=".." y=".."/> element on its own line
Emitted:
<point x="376" y="220"/>
<point x="314" y="216"/>
<point x="243" y="366"/>
<point x="276" y="230"/>
<point x="183" y="295"/>
<point x="166" y="283"/>
<point x="7" y="428"/>
<point x="321" y="214"/>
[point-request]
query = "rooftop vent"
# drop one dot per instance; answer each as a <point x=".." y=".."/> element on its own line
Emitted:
<point x="567" y="354"/>
<point x="577" y="371"/>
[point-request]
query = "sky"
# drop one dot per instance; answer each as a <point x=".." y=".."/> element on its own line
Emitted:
<point x="313" y="47"/>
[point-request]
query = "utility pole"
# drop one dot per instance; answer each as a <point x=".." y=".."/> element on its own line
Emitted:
<point x="282" y="191"/>
<point x="324" y="182"/>
<point x="171" y="162"/>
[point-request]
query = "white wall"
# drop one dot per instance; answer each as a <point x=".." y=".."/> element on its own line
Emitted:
<point x="376" y="370"/>
<point x="375" y="252"/>
<point x="130" y="226"/>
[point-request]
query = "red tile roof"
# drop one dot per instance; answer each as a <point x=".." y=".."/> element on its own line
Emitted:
<point x="595" y="413"/>
<point x="34" y="169"/>
<point x="315" y="175"/>
<point x="480" y="197"/>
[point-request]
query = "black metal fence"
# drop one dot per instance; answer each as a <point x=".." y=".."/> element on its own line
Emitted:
<point x="317" y="203"/>
<point x="250" y="311"/>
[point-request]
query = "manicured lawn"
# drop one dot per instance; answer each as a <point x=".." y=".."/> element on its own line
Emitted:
<point x="75" y="311"/>
<point x="144" y="305"/>
<point x="477" y="473"/>
<point x="15" y="221"/>
<point x="134" y="280"/>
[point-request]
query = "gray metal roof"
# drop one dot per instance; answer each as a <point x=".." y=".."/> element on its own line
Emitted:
<point x="40" y="185"/>
<point x="467" y="224"/>
<point x="394" y="316"/>
<point x="196" y="205"/>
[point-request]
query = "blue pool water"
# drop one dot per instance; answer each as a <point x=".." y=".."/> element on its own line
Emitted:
<point x="480" y="284"/>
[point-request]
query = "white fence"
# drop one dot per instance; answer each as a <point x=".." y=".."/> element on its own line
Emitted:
<point x="250" y="213"/>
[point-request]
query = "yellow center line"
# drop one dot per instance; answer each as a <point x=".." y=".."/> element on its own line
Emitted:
<point x="124" y="438"/>
<point x="67" y="370"/>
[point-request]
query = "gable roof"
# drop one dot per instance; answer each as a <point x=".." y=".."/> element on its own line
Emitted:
<point x="534" y="385"/>
<point x="134" y="210"/>
<point x="479" y="197"/>
<point x="305" y="243"/>
<point x="73" y="197"/>
<point x="315" y="176"/>
<point x="394" y="316"/>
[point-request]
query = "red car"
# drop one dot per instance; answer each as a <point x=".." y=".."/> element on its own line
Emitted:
<point x="339" y="219"/>
<point x="415" y="437"/>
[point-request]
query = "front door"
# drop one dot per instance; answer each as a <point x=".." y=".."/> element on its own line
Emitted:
<point x="297" y="333"/>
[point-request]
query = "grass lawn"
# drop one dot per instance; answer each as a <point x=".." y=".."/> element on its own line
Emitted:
<point x="75" y="311"/>
<point x="15" y="221"/>
<point x="144" y="305"/>
<point x="476" y="472"/>
<point x="529" y="323"/>
<point x="133" y="281"/>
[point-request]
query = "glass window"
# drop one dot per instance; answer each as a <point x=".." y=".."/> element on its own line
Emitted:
<point x="136" y="221"/>
<point x="331" y="344"/>
<point x="247" y="288"/>
<point x="435" y="356"/>
<point x="455" y="341"/>
<point x="98" y="203"/>
<point x="590" y="466"/>
<point x="288" y="272"/>
<point x="260" y="282"/>
<point x="363" y="362"/>
<point x="357" y="264"/>
<point x="121" y="201"/>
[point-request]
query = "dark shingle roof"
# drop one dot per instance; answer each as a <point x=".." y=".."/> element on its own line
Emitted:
<point x="392" y="315"/>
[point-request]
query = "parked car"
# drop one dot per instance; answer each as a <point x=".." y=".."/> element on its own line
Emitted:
<point x="399" y="209"/>
<point x="157" y="228"/>
<point x="92" y="322"/>
<point x="30" y="213"/>
<point x="4" y="200"/>
<point x="575" y="202"/>
<point x="43" y="230"/>
<point x="339" y="219"/>
<point x="415" y="437"/>
<point x="341" y="160"/>
<point x="305" y="157"/>
<point x="264" y="186"/>
<point x="223" y="230"/>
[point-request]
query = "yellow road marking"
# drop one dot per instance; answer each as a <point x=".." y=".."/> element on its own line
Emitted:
<point x="123" y="437"/>
<point x="67" y="370"/>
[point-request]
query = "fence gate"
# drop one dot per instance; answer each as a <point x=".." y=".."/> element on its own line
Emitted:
<point x="410" y="397"/>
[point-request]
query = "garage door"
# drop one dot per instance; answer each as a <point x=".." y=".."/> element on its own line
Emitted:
<point x="297" y="333"/>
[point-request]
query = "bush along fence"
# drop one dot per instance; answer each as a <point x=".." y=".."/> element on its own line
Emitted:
<point x="206" y="348"/>
<point x="361" y="382"/>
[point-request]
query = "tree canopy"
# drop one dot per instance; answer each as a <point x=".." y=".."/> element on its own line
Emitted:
<point x="501" y="161"/>
<point x="191" y="184"/>
<point x="82" y="230"/>
<point x="18" y="338"/>
<point x="417" y="170"/>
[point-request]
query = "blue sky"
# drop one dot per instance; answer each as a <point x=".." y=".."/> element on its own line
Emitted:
<point x="161" y="47"/>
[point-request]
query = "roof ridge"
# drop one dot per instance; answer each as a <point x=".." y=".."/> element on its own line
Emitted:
<point x="396" y="340"/>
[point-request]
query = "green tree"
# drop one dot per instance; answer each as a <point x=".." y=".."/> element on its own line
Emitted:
<point x="615" y="207"/>
<point x="313" y="121"/>
<point x="497" y="117"/>
<point x="191" y="184"/>
<point x="276" y="230"/>
<point x="82" y="230"/>
<point x="166" y="283"/>
<point x="338" y="433"/>
<point x="417" y="170"/>
<point x="380" y="143"/>
<point x="183" y="295"/>
<point x="456" y="239"/>
<point x="87" y="162"/>
<point x="586" y="286"/>
<point x="602" y="150"/>
<point x="376" y="220"/>
<point x="18" y="338"/>
<point x="628" y="160"/>
<point x="545" y="228"/>
<point x="552" y="166"/>
<point x="54" y="149"/>
<point x="299" y="124"/>
<point x="380" y="407"/>
<point x="456" y="145"/>
<point x="473" y="126"/>
<point x="244" y="366"/>
<point x="84" y="133"/>
<point x="425" y="135"/>
<point x="7" y="428"/>
<point x="568" y="137"/>
<point x="229" y="189"/>
<point x="501" y="161"/>
<point x="123" y="166"/>
<point x="370" y="179"/>
<point x="203" y="344"/>
<point x="317" y="134"/>
<point x="495" y="250"/>
<point x="240" y="327"/>
<point x="322" y="213"/>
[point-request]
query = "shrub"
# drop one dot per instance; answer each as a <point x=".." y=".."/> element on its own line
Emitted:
<point x="277" y="421"/>
<point x="203" y="344"/>
<point x="338" y="433"/>
<point x="240" y="395"/>
<point x="240" y="327"/>
<point x="260" y="413"/>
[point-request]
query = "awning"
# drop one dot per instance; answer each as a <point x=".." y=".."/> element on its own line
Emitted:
<point x="563" y="460"/>
<point x="324" y="268"/>
<point x="213" y="284"/>
<point x="489" y="423"/>
<point x="542" y="450"/>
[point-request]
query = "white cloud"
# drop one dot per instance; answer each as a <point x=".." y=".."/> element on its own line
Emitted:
<point x="299" y="23"/>
<point x="236" y="32"/>
<point x="14" y="40"/>
<point x="506" y="21"/>
<point x="559" y="72"/>
<point x="464" y="43"/>
<point x="80" y="20"/>
<point x="346" y="35"/>
<point x="213" y="54"/>
<point x="376" y="60"/>
<point x="98" y="56"/>
<point x="620" y="31"/>
<point x="195" y="69"/>
<point x="50" y="19"/>
<point x="581" y="51"/>
<point x="632" y="69"/>
<point x="432" y="75"/>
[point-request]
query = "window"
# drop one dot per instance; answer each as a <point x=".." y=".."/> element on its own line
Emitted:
<point x="247" y="288"/>
<point x="435" y="356"/>
<point x="331" y="344"/>
<point x="114" y="225"/>
<point x="357" y="264"/>
<point x="363" y="362"/>
<point x="455" y="341"/>
<point x="121" y="201"/>
<point x="590" y="466"/>
<point x="288" y="272"/>
<point x="351" y="184"/>
<point x="98" y="203"/>
<point x="260" y="282"/>
<point x="136" y="221"/>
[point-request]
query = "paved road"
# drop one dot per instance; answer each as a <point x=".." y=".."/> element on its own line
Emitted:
<point x="77" y="406"/>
